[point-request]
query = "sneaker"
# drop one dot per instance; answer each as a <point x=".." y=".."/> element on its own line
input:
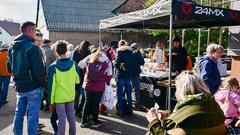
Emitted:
<point x="97" y="125"/>
<point x="120" y="113"/>
<point x="85" y="124"/>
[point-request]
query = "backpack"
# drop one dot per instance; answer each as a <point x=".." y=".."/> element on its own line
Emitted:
<point x="95" y="71"/>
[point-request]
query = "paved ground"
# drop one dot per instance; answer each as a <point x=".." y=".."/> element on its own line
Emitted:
<point x="128" y="125"/>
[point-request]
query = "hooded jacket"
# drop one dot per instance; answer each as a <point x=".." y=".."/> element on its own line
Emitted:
<point x="3" y="61"/>
<point x="208" y="71"/>
<point x="26" y="64"/>
<point x="97" y="86"/>
<point x="203" y="117"/>
<point x="63" y="74"/>
<point x="229" y="101"/>
<point x="124" y="62"/>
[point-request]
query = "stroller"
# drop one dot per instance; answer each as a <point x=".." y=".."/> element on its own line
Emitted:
<point x="231" y="128"/>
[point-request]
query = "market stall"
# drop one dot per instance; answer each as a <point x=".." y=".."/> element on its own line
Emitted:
<point x="173" y="14"/>
<point x="153" y="84"/>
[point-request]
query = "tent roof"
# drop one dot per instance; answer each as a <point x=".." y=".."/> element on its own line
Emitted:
<point x="186" y="14"/>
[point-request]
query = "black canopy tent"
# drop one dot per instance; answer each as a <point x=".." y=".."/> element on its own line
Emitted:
<point x="173" y="14"/>
<point x="186" y="14"/>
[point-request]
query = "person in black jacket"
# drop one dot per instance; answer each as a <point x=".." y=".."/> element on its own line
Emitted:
<point x="179" y="57"/>
<point x="124" y="68"/>
<point x="137" y="62"/>
<point x="80" y="52"/>
<point x="26" y="64"/>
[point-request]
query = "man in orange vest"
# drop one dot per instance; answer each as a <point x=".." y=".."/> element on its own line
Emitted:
<point x="4" y="74"/>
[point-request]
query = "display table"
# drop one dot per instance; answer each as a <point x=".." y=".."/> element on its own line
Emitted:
<point x="153" y="89"/>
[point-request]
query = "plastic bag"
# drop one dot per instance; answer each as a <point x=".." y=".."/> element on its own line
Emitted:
<point x="108" y="97"/>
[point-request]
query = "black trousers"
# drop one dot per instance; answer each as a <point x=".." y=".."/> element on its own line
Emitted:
<point x="91" y="106"/>
<point x="78" y="107"/>
<point x="54" y="118"/>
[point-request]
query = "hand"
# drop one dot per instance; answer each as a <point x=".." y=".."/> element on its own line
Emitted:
<point x="162" y="115"/>
<point x="151" y="115"/>
<point x="237" y="123"/>
<point x="52" y="107"/>
<point x="177" y="73"/>
<point x="174" y="53"/>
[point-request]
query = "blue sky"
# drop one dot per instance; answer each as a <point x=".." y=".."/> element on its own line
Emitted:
<point x="18" y="10"/>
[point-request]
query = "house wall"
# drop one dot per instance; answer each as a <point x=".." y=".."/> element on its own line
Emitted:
<point x="76" y="37"/>
<point x="144" y="40"/>
<point x="5" y="37"/>
<point x="42" y="23"/>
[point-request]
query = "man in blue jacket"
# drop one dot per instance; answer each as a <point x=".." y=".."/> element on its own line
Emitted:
<point x="26" y="64"/>
<point x="207" y="67"/>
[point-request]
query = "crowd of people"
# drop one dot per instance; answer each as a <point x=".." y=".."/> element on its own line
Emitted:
<point x="66" y="80"/>
<point x="69" y="80"/>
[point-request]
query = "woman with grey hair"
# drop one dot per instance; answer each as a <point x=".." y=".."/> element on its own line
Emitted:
<point x="207" y="67"/>
<point x="195" y="113"/>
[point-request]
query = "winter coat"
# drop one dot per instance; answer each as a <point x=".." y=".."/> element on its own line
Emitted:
<point x="179" y="61"/>
<point x="137" y="62"/>
<point x="63" y="74"/>
<point x="105" y="77"/>
<point x="208" y="71"/>
<point x="26" y="64"/>
<point x="77" y="57"/>
<point x="124" y="62"/>
<point x="48" y="55"/>
<point x="192" y="118"/>
<point x="229" y="101"/>
<point x="3" y="61"/>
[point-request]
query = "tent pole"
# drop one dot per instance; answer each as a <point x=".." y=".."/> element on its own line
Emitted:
<point x="183" y="34"/>
<point x="199" y="41"/>
<point x="170" y="65"/>
<point x="220" y="36"/>
<point x="99" y="36"/>
<point x="209" y="30"/>
<point x="221" y="30"/>
<point x="199" y="37"/>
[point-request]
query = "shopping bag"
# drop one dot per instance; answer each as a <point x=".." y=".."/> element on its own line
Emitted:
<point x="108" y="97"/>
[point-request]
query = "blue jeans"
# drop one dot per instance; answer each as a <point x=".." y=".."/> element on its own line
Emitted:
<point x="126" y="84"/>
<point x="136" y="87"/>
<point x="4" y="83"/>
<point x="31" y="101"/>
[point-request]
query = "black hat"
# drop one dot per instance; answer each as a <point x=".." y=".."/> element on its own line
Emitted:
<point x="46" y="41"/>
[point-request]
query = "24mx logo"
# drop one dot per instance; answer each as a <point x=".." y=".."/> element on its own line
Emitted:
<point x="187" y="8"/>
<point x="208" y="11"/>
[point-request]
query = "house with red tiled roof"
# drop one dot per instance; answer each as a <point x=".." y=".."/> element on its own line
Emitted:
<point x="8" y="30"/>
